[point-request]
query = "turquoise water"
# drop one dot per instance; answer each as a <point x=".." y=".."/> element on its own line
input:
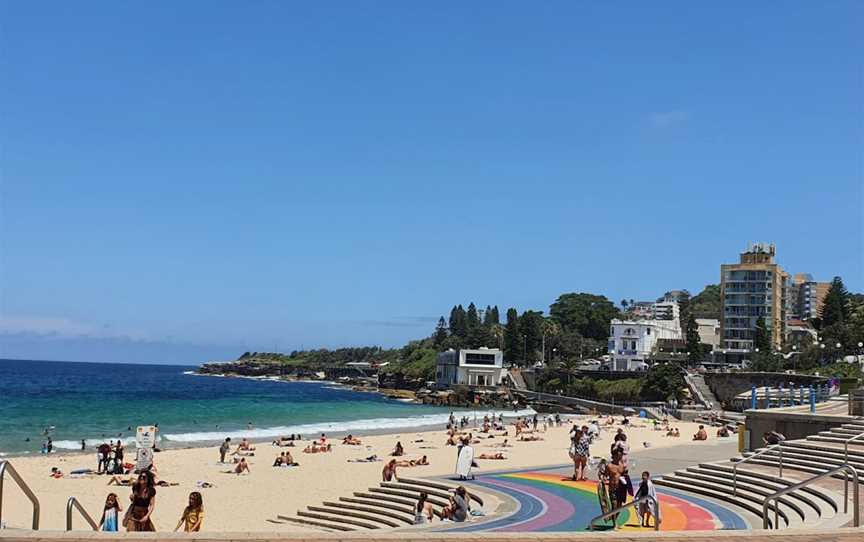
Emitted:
<point x="97" y="401"/>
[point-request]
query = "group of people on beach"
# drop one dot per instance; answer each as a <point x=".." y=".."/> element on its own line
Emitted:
<point x="142" y="503"/>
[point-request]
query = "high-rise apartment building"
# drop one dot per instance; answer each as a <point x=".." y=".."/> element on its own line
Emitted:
<point x="753" y="288"/>
<point x="806" y="296"/>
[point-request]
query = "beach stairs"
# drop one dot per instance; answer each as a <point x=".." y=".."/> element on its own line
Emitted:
<point x="817" y="505"/>
<point x="517" y="379"/>
<point x="388" y="506"/>
<point x="818" y="453"/>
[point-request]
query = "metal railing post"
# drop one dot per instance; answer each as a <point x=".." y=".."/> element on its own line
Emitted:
<point x="847" y="469"/>
<point x="74" y="502"/>
<point x="635" y="502"/>
<point x="5" y="467"/>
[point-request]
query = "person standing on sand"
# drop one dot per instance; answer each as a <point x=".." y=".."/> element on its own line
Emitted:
<point x="143" y="503"/>
<point x="193" y="515"/>
<point x="224" y="449"/>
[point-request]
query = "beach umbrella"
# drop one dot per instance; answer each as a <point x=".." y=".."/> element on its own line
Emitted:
<point x="629" y="410"/>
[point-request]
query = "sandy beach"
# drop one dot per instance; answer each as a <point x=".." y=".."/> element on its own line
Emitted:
<point x="247" y="502"/>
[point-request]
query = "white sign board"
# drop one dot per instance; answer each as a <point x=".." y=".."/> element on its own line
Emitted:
<point x="145" y="437"/>
<point x="143" y="458"/>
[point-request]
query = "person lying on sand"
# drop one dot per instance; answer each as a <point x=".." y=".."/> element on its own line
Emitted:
<point x="316" y="448"/>
<point x="351" y="441"/>
<point x="244" y="446"/>
<point x="496" y="455"/>
<point x="371" y="459"/>
<point x="530" y="438"/>
<point x="283" y="441"/>
<point x="413" y="462"/>
<point x="117" y="481"/>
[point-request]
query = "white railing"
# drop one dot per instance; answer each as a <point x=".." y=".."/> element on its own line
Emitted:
<point x="5" y="467"/>
<point x="847" y="469"/>
<point x="754" y="456"/>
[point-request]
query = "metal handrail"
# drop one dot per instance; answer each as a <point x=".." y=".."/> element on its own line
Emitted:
<point x="846" y="446"/>
<point x="634" y="502"/>
<point x="846" y="469"/>
<point x="73" y="502"/>
<point x="7" y="466"/>
<point x="754" y="456"/>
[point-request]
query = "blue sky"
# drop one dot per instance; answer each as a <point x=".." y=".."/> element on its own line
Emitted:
<point x="185" y="180"/>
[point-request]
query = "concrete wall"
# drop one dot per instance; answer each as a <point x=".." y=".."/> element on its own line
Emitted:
<point x="794" y="425"/>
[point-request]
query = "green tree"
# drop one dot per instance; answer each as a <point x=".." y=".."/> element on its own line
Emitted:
<point x="835" y="307"/>
<point x="472" y="318"/>
<point x="512" y="337"/>
<point x="458" y="322"/>
<point x="440" y="333"/>
<point x="706" y="304"/>
<point x="495" y="318"/>
<point x="762" y="337"/>
<point x="694" y="344"/>
<point x="663" y="382"/>
<point x="587" y="314"/>
<point x="490" y="317"/>
<point x="531" y="326"/>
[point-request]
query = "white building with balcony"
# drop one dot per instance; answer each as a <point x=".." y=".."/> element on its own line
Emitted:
<point x="480" y="367"/>
<point x="631" y="342"/>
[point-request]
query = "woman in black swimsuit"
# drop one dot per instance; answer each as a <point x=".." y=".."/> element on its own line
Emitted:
<point x="143" y="502"/>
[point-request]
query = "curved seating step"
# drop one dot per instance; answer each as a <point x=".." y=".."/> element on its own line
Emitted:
<point x="437" y="485"/>
<point x="352" y="514"/>
<point x="394" y="503"/>
<point x="406" y="494"/>
<point x="817" y="494"/>
<point x="337" y="519"/>
<point x="313" y="523"/>
<point x="750" y="486"/>
<point x="379" y="503"/>
<point x="839" y="440"/>
<point x="375" y="510"/>
<point x="774" y="462"/>
<point x="384" y="497"/>
<point x="725" y="497"/>
<point x="819" y="461"/>
<point x="837" y="456"/>
<point x="788" y="514"/>
<point x="826" y="447"/>
<point x="407" y="487"/>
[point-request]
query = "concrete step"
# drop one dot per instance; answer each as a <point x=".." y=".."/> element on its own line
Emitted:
<point x="313" y="523"/>
<point x="788" y="515"/>
<point x="337" y="519"/>
<point x="835" y="453"/>
<point x="377" y="510"/>
<point x="749" y="487"/>
<point x="829" y="447"/>
<point x="847" y="431"/>
<point x="810" y="504"/>
<point x="406" y="494"/>
<point x="789" y="455"/>
<point x="818" y="495"/>
<point x="838" y="440"/>
<point x="380" y="503"/>
<point x="718" y="495"/>
<point x="438" y="485"/>
<point x="388" y="498"/>
<point x="760" y="487"/>
<point x="408" y="487"/>
<point x="773" y="462"/>
<point x="353" y="514"/>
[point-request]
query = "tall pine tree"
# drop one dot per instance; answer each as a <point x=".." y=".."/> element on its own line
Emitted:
<point x="762" y="337"/>
<point x="512" y="337"/>
<point x="494" y="319"/>
<point x="835" y="307"/>
<point x="440" y="332"/>
<point x="694" y="344"/>
<point x="458" y="322"/>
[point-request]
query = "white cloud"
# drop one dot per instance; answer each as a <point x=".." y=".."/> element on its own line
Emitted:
<point x="61" y="327"/>
<point x="664" y="119"/>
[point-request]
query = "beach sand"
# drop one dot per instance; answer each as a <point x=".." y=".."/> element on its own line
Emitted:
<point x="247" y="502"/>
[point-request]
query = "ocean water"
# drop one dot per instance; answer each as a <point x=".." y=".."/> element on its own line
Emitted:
<point x="98" y="401"/>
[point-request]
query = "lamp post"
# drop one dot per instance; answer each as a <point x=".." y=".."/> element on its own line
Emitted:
<point x="794" y="358"/>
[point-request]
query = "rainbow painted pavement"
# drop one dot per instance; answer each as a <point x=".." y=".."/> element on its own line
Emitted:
<point x="549" y="501"/>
